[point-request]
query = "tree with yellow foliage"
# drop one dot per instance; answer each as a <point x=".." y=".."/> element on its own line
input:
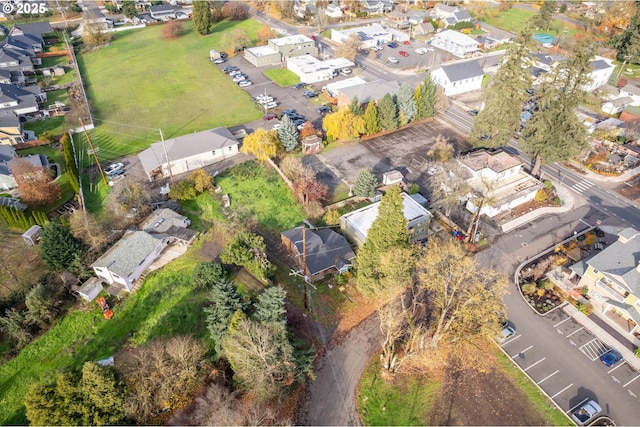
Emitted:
<point x="263" y="144"/>
<point x="343" y="124"/>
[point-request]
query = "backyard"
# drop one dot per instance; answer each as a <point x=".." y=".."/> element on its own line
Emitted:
<point x="141" y="83"/>
<point x="514" y="19"/>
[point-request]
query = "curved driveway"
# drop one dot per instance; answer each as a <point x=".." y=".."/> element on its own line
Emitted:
<point x="332" y="396"/>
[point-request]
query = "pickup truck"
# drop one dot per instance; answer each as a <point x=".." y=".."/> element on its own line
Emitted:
<point x="586" y="412"/>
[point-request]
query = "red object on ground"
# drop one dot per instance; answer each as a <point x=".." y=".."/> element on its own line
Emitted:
<point x="106" y="310"/>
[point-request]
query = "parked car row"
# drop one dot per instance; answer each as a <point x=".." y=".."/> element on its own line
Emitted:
<point x="267" y="102"/>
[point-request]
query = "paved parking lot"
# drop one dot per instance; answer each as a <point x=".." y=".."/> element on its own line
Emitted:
<point x="551" y="373"/>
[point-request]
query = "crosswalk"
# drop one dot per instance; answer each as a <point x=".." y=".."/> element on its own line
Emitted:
<point x="594" y="349"/>
<point x="581" y="186"/>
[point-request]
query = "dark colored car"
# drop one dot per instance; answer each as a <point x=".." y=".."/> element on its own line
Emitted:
<point x="298" y="86"/>
<point x="393" y="45"/>
<point x="403" y="53"/>
<point x="310" y="94"/>
<point x="611" y="357"/>
<point x="473" y="112"/>
<point x="323" y="109"/>
<point x="268" y="117"/>
<point x="224" y="55"/>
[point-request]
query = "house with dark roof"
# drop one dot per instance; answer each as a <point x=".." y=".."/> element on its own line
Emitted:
<point x="459" y="77"/>
<point x="162" y="12"/>
<point x="169" y="222"/>
<point x="21" y="100"/>
<point x="18" y="51"/>
<point x="11" y="131"/>
<point x="318" y="252"/>
<point x="188" y="152"/>
<point x="125" y="261"/>
<point x="612" y="277"/>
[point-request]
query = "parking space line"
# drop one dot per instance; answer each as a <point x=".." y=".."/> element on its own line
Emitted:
<point x="571" y="410"/>
<point x="623" y="362"/>
<point x="534" y="364"/>
<point x="564" y="389"/>
<point x="561" y="322"/>
<point x="632" y="380"/>
<point x="576" y="331"/>
<point x="512" y="340"/>
<point x="547" y="377"/>
<point x="528" y="348"/>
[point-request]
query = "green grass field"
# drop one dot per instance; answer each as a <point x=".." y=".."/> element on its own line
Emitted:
<point x="514" y="19"/>
<point x="140" y="83"/>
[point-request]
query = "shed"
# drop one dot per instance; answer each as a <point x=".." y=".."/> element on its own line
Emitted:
<point x="91" y="289"/>
<point x="392" y="177"/>
<point x="32" y="236"/>
<point x="58" y="71"/>
<point x="214" y="54"/>
<point x="311" y="143"/>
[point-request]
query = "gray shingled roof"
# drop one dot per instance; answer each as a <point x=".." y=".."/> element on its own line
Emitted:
<point x="325" y="248"/>
<point x="129" y="252"/>
<point x="7" y="153"/>
<point x="619" y="261"/>
<point x="11" y="93"/>
<point x="462" y="15"/>
<point x="600" y="64"/>
<point x="8" y="119"/>
<point x="160" y="220"/>
<point x="160" y="8"/>
<point x="366" y="92"/>
<point x="462" y="70"/>
<point x="186" y="146"/>
<point x="35" y="28"/>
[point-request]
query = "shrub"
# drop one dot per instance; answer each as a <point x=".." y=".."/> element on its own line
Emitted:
<point x="541" y="196"/>
<point x="586" y="309"/>
<point x="331" y="217"/>
<point x="529" y="288"/>
<point x="415" y="188"/>
<point x="637" y="351"/>
<point x="548" y="184"/>
<point x="557" y="201"/>
<point x="313" y="209"/>
<point x="584" y="291"/>
<point x="540" y="292"/>
<point x="546" y="285"/>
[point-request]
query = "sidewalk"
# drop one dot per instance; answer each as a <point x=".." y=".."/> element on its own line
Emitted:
<point x="602" y="335"/>
<point x="569" y="202"/>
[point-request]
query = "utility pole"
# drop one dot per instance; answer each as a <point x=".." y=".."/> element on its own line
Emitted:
<point x="304" y="267"/>
<point x="166" y="156"/>
<point x="75" y="159"/>
<point x="93" y="151"/>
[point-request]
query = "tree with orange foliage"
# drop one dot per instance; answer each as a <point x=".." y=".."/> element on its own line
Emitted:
<point x="307" y="130"/>
<point x="309" y="190"/>
<point x="171" y="30"/>
<point x="35" y="185"/>
<point x="264" y="34"/>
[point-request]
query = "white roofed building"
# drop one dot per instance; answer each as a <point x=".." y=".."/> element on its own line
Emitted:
<point x="456" y="43"/>
<point x="313" y="70"/>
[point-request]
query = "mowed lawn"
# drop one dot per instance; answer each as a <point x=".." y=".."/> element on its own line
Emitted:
<point x="141" y="82"/>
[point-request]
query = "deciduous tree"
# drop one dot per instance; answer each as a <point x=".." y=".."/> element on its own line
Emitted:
<point x="171" y="30"/>
<point x="309" y="189"/>
<point x="349" y="47"/>
<point x="94" y="34"/>
<point x="236" y="39"/>
<point x="447" y="184"/>
<point x="264" y="34"/>
<point x="129" y="9"/>
<point x="288" y="134"/>
<point x="388" y="113"/>
<point x="442" y="149"/>
<point x="342" y="125"/>
<point x="505" y="96"/>
<point x="202" y="18"/>
<point x="262" y="143"/>
<point x="307" y="130"/>
<point x="627" y="43"/>
<point x="86" y="228"/>
<point x="248" y="250"/>
<point x="371" y="121"/>
<point x="366" y="183"/>
<point x="388" y="232"/>
<point x="58" y="248"/>
<point x="545" y="15"/>
<point x="35" y="185"/>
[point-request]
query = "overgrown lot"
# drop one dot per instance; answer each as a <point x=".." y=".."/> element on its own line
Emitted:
<point x="141" y="82"/>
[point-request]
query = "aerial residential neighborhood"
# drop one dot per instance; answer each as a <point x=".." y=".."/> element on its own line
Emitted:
<point x="319" y="212"/>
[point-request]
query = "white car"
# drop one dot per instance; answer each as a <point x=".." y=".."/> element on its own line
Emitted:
<point x="114" y="169"/>
<point x="234" y="72"/>
<point x="264" y="100"/>
<point x="244" y="83"/>
<point x="430" y="49"/>
<point x="393" y="59"/>
<point x="276" y="126"/>
<point x="377" y="48"/>
<point x="271" y="104"/>
<point x="420" y="51"/>
<point x="239" y="79"/>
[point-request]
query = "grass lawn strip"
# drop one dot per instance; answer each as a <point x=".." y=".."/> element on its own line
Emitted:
<point x="282" y="77"/>
<point x="54" y="124"/>
<point x="140" y="83"/>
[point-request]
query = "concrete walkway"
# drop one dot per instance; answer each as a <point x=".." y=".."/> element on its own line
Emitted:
<point x="602" y="335"/>
<point x="569" y="202"/>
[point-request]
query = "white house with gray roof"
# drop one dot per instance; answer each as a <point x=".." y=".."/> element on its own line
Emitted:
<point x="613" y="279"/>
<point x="169" y="222"/>
<point x="188" y="152"/>
<point x="356" y="224"/>
<point x="456" y="43"/>
<point x="125" y="261"/>
<point x="459" y="77"/>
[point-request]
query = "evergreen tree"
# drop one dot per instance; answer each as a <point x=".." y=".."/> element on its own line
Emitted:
<point x="248" y="250"/>
<point x="425" y="98"/>
<point x="129" y="9"/>
<point x="505" y="96"/>
<point x="385" y="258"/>
<point x="627" y="43"/>
<point x="225" y="301"/>
<point x="202" y="18"/>
<point x="407" y="109"/>
<point x="371" y="122"/>
<point x="70" y="161"/>
<point x="206" y="274"/>
<point x="355" y="108"/>
<point x="288" y="134"/>
<point x="388" y="113"/>
<point x="269" y="308"/>
<point x="554" y="132"/>
<point x="545" y="15"/>
<point x="58" y="249"/>
<point x="366" y="184"/>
